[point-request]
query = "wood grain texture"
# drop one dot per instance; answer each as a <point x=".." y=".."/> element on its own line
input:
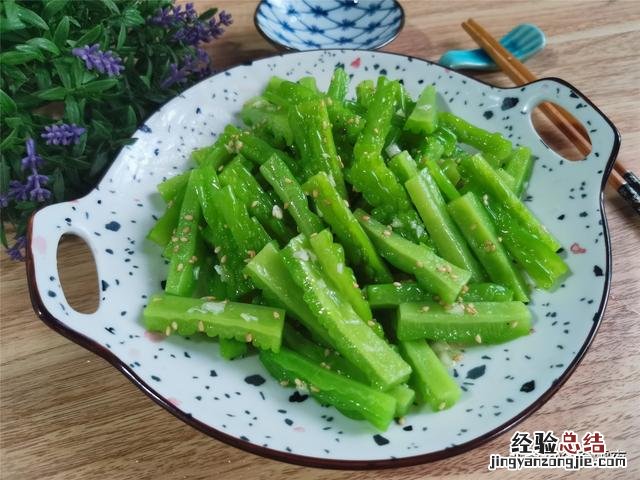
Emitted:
<point x="67" y="414"/>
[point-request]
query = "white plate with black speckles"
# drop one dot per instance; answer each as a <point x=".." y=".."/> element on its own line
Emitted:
<point x="237" y="402"/>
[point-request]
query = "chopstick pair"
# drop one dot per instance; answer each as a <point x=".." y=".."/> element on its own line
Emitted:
<point x="622" y="179"/>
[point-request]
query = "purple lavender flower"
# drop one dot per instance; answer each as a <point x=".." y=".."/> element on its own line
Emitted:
<point x="36" y="192"/>
<point x="173" y="16"/>
<point x="18" y="191"/>
<point x="33" y="188"/>
<point x="63" y="134"/>
<point x="96" y="59"/>
<point x="15" y="252"/>
<point x="4" y="200"/>
<point x="32" y="160"/>
<point x="200" y="65"/>
<point x="225" y="18"/>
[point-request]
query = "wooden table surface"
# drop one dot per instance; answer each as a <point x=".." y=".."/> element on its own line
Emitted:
<point x="67" y="414"/>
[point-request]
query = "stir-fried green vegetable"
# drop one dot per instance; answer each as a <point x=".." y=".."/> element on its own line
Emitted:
<point x="295" y="233"/>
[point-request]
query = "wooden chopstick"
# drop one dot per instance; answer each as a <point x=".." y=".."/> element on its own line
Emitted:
<point x="520" y="75"/>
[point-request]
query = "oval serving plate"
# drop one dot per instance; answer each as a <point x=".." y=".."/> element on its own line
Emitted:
<point x="237" y="402"/>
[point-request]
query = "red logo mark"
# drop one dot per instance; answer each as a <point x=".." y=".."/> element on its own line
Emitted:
<point x="356" y="63"/>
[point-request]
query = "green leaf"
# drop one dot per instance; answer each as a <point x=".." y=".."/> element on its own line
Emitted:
<point x="44" y="44"/>
<point x="55" y="93"/>
<point x="5" y="175"/>
<point x="43" y="78"/>
<point x="132" y="18"/>
<point x="52" y="7"/>
<point x="17" y="58"/>
<point x="9" y="140"/>
<point x="62" y="32"/>
<point x="207" y="14"/>
<point x="61" y="66"/>
<point x="72" y="110"/>
<point x="90" y="37"/>
<point x="99" y="86"/>
<point x="132" y="120"/>
<point x="99" y="163"/>
<point x="31" y="18"/>
<point x="14" y="122"/>
<point x="7" y="105"/>
<point x="31" y="49"/>
<point x="100" y="130"/>
<point x="57" y="185"/>
<point x="111" y="6"/>
<point x="122" y="37"/>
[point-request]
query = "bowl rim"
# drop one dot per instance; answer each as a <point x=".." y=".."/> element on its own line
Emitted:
<point x="317" y="462"/>
<point x="282" y="47"/>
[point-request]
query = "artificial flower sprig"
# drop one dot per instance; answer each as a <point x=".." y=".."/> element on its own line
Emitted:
<point x="76" y="80"/>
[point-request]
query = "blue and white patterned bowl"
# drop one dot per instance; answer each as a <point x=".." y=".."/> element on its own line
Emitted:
<point x="238" y="402"/>
<point x="325" y="24"/>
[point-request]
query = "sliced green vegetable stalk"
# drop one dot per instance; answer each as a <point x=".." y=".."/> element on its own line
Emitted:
<point x="365" y="92"/>
<point x="477" y="228"/>
<point x="349" y="334"/>
<point x="508" y="180"/>
<point x="312" y="121"/>
<point x="219" y="236"/>
<point x="353" y="399"/>
<point x="258" y="112"/>
<point x="424" y="117"/>
<point x="336" y="213"/>
<point x="429" y="148"/>
<point x="180" y="278"/>
<point x="231" y="348"/>
<point x="470" y="323"/>
<point x="403" y="165"/>
<point x="447" y="139"/>
<point x="368" y="173"/>
<point x="173" y="186"/>
<point x="339" y="85"/>
<point x="310" y="83"/>
<point x="406" y="223"/>
<point x="390" y="295"/>
<point x="447" y="188"/>
<point x="248" y="234"/>
<point x="433" y="273"/>
<point x="430" y="380"/>
<point x="245" y="322"/>
<point x="331" y="360"/>
<point x="294" y="201"/>
<point x="238" y="175"/>
<point x="543" y="265"/>
<point x="493" y="146"/>
<point x="450" y="169"/>
<point x="252" y="148"/>
<point x="480" y="172"/>
<point x="165" y="226"/>
<point x="519" y="166"/>
<point x="331" y="258"/>
<point x="446" y="236"/>
<point x="269" y="273"/>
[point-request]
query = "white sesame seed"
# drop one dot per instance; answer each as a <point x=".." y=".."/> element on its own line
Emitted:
<point x="478" y="339"/>
<point x="366" y="218"/>
<point x="276" y="314"/>
<point x="248" y="338"/>
<point x="254" y="204"/>
<point x="442" y="406"/>
<point x="397" y="284"/>
<point x="287" y="180"/>
<point x="223" y="259"/>
<point x="314" y="389"/>
<point x="180" y="267"/>
<point x="419" y="264"/>
<point x="201" y="326"/>
<point x="217" y="249"/>
<point x="276" y="211"/>
<point x="174" y="325"/>
<point x="167" y="331"/>
<point x="188" y="217"/>
<point x="425" y="308"/>
<point x="284" y="383"/>
<point x="286" y="205"/>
